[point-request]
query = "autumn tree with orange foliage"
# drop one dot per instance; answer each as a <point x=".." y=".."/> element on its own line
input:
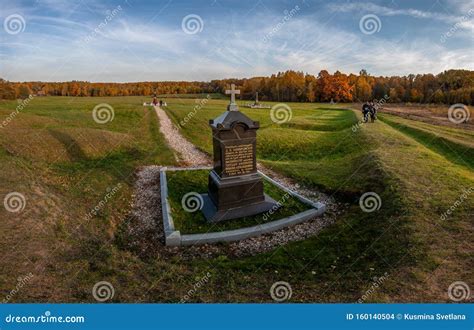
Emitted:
<point x="452" y="86"/>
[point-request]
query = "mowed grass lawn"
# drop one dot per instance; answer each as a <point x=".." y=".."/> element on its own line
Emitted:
<point x="63" y="162"/>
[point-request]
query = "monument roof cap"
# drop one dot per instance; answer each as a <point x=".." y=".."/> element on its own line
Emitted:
<point x="229" y="118"/>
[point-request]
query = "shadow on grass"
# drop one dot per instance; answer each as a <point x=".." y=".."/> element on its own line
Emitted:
<point x="119" y="164"/>
<point x="454" y="152"/>
<point x="73" y="149"/>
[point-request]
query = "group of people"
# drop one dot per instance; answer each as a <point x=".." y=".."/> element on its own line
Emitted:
<point x="369" y="110"/>
<point x="155" y="102"/>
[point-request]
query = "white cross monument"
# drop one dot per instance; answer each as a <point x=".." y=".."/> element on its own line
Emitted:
<point x="232" y="91"/>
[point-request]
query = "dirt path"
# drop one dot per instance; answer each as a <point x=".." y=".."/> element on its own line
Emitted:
<point x="186" y="152"/>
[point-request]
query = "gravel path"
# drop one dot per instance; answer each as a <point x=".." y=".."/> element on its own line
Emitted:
<point x="146" y="228"/>
<point x="186" y="152"/>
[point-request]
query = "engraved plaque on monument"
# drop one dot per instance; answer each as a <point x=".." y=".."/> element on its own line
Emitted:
<point x="235" y="188"/>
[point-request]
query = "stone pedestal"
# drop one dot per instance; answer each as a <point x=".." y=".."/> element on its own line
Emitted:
<point x="235" y="189"/>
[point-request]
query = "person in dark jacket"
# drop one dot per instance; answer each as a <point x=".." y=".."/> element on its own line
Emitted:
<point x="366" y="108"/>
<point x="373" y="111"/>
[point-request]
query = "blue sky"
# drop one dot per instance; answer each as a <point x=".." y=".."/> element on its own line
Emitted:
<point x="134" y="40"/>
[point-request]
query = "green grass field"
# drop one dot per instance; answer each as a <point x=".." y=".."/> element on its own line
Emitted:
<point x="64" y="163"/>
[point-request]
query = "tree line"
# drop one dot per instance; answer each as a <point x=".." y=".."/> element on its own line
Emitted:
<point x="451" y="86"/>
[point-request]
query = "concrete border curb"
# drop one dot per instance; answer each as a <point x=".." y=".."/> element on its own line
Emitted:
<point x="174" y="238"/>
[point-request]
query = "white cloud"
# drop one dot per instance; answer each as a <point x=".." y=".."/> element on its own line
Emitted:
<point x="131" y="50"/>
<point x="387" y="11"/>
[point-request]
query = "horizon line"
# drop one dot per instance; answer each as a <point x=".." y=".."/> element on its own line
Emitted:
<point x="231" y="78"/>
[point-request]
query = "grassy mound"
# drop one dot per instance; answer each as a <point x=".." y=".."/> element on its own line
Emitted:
<point x="452" y="146"/>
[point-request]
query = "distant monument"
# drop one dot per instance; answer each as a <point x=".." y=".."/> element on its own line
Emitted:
<point x="256" y="99"/>
<point x="235" y="188"/>
<point x="257" y="105"/>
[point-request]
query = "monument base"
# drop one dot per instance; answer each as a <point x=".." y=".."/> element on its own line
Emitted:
<point x="211" y="213"/>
